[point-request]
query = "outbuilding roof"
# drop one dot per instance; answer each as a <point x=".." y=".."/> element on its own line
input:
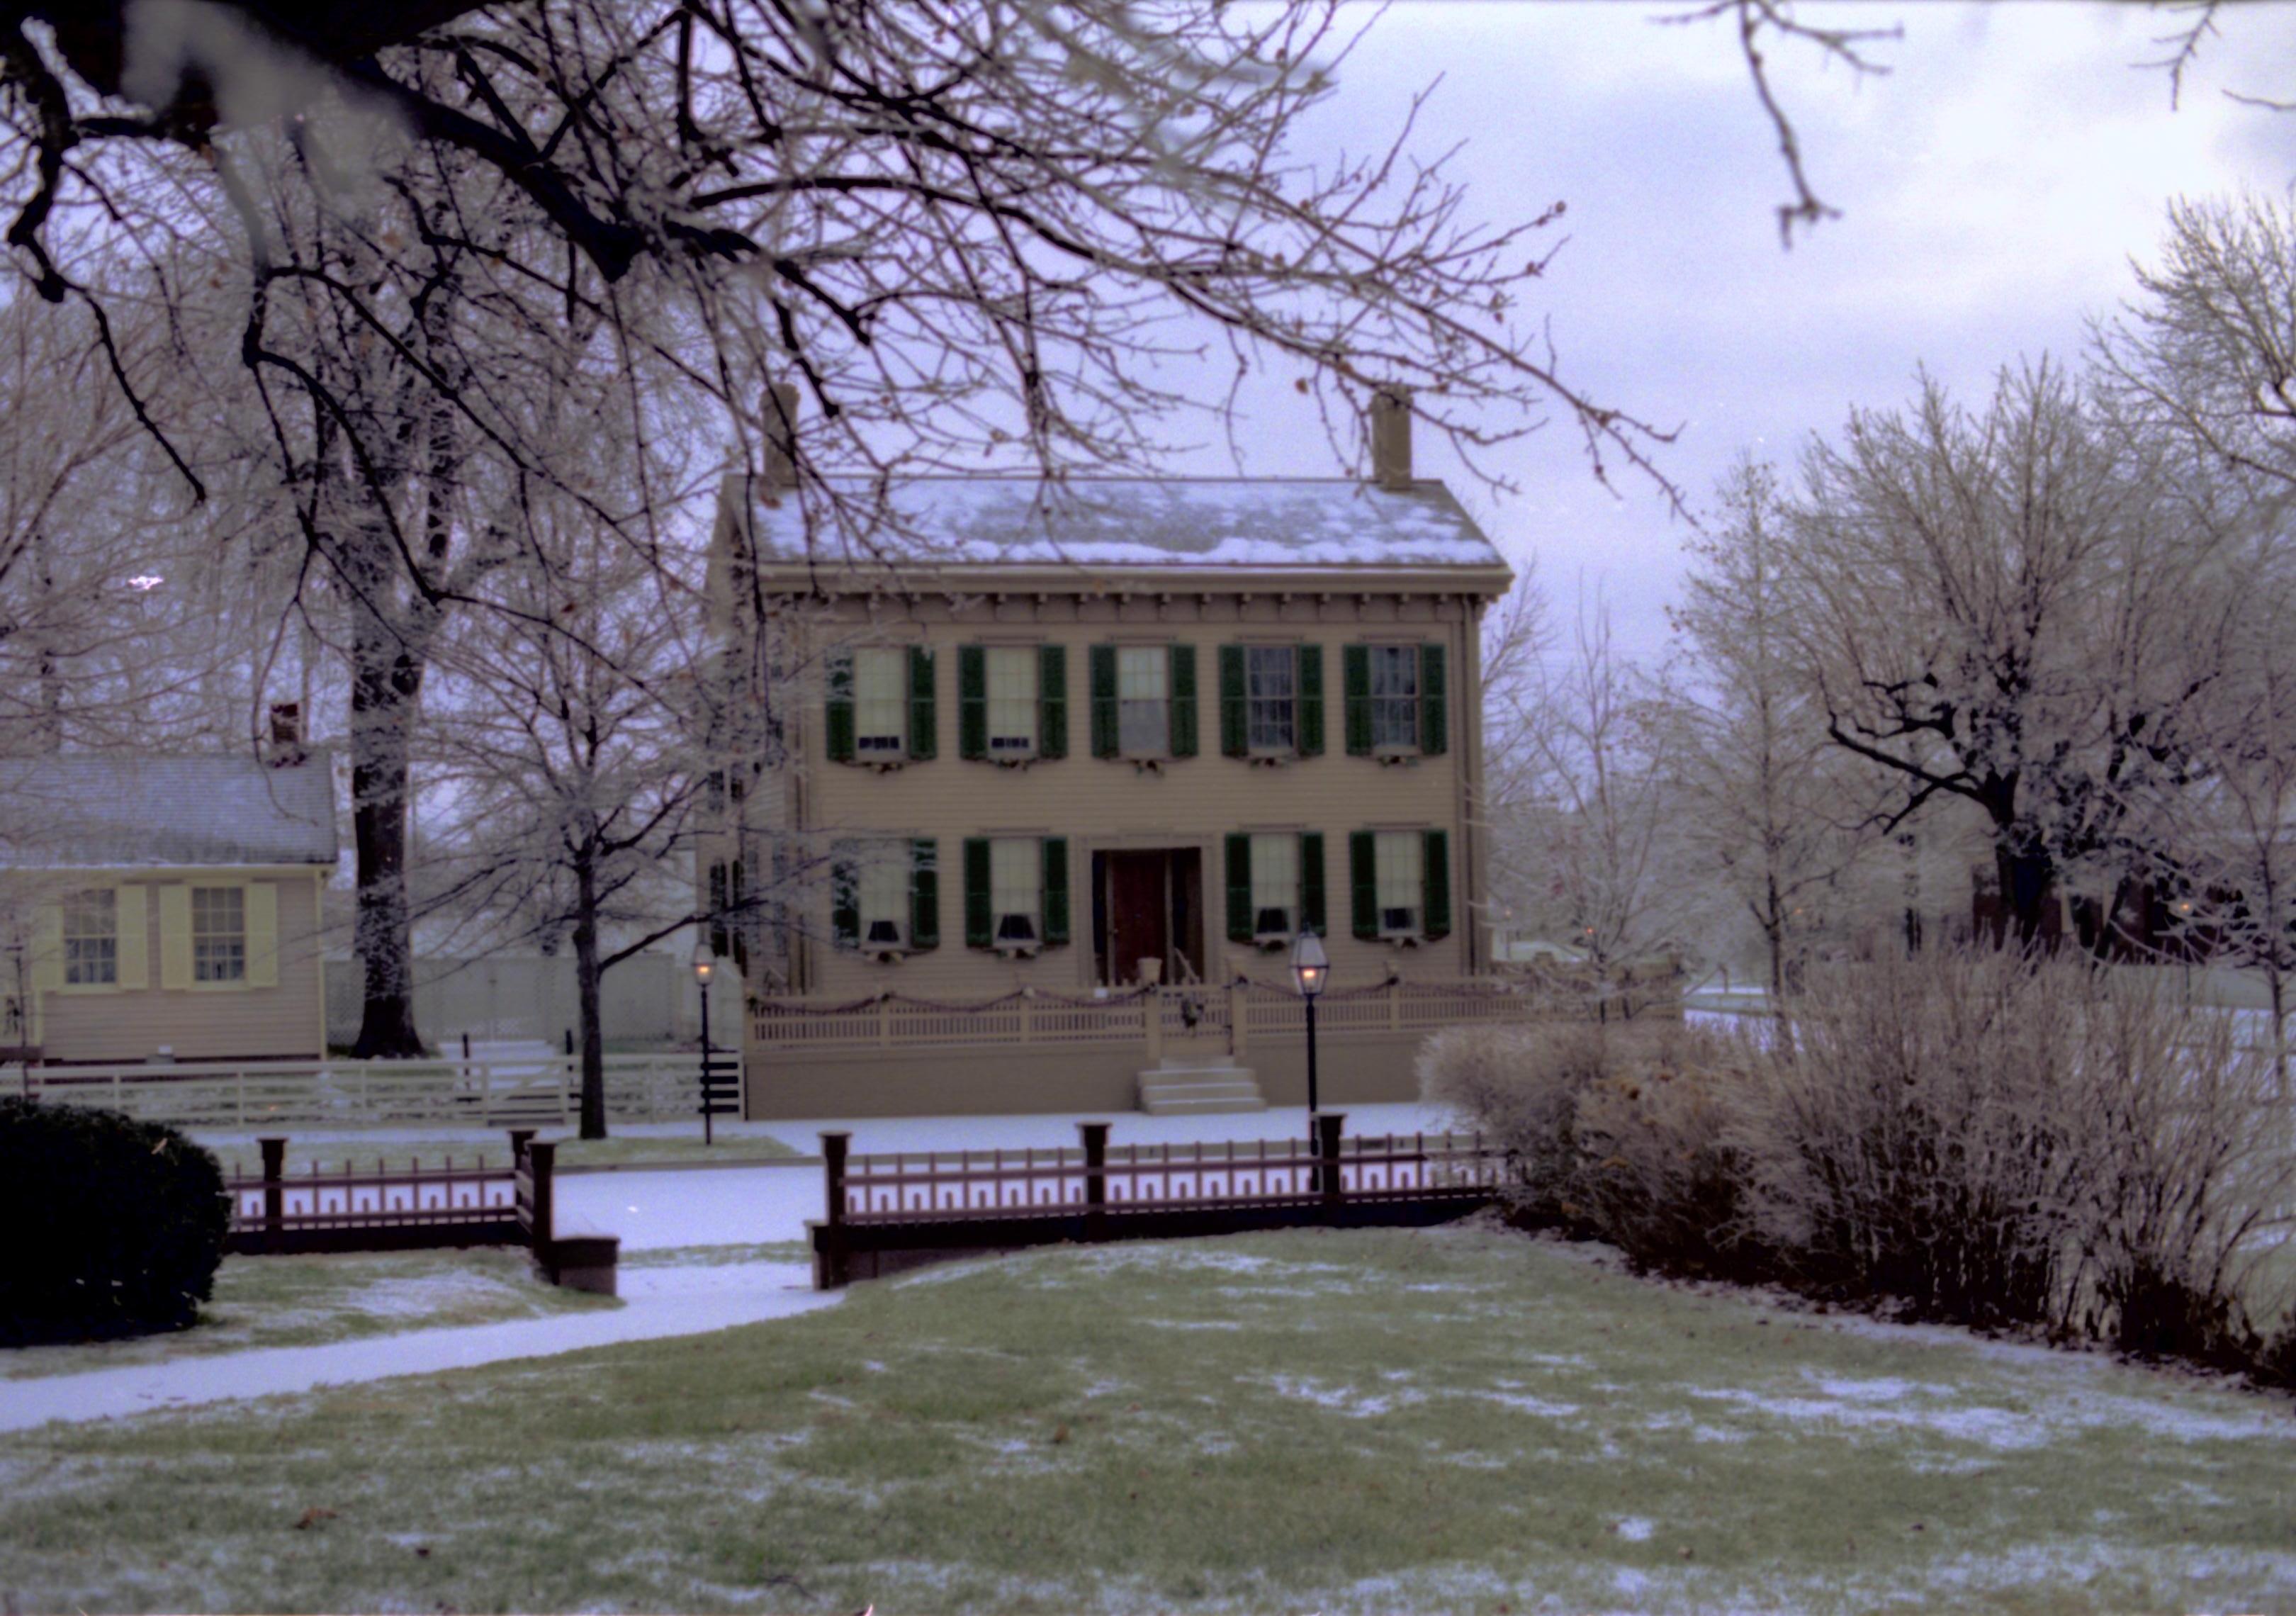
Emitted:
<point x="1305" y="525"/>
<point x="116" y="810"/>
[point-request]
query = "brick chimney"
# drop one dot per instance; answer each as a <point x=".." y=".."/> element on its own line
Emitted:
<point x="285" y="749"/>
<point x="1390" y="436"/>
<point x="781" y="438"/>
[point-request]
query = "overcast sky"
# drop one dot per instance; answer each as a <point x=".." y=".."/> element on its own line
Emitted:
<point x="1994" y="186"/>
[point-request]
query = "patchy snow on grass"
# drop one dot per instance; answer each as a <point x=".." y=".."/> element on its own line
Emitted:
<point x="1340" y="1400"/>
<point x="1634" y="1529"/>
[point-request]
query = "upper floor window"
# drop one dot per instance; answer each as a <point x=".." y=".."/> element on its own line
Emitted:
<point x="880" y="702"/>
<point x="1394" y="697"/>
<point x="218" y="934"/>
<point x="1012" y="700"/>
<point x="1271" y="699"/>
<point x="90" y="934"/>
<point x="1395" y="700"/>
<point x="1143" y="701"/>
<point x="881" y="705"/>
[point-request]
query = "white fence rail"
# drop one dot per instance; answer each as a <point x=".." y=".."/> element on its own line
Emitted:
<point x="541" y="1091"/>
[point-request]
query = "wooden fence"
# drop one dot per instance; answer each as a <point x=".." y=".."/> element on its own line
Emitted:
<point x="527" y="1091"/>
<point x="386" y="1208"/>
<point x="893" y="1211"/>
<point x="1236" y="1012"/>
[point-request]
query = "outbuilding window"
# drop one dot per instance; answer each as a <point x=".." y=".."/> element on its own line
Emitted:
<point x="91" y="936"/>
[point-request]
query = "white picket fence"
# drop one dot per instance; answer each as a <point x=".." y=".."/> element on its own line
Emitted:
<point x="540" y="1091"/>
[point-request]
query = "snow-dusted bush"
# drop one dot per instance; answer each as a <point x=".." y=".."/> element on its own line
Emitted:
<point x="1520" y="1088"/>
<point x="1659" y="1169"/>
<point x="114" y="1227"/>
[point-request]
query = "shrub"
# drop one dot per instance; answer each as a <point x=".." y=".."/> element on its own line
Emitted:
<point x="1658" y="1172"/>
<point x="115" y="1226"/>
<point x="1520" y="1087"/>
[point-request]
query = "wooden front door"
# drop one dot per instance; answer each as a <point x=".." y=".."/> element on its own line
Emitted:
<point x="1148" y="904"/>
<point x="1139" y="913"/>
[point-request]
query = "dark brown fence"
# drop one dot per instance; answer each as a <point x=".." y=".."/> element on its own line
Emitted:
<point x="898" y="1210"/>
<point x="390" y="1207"/>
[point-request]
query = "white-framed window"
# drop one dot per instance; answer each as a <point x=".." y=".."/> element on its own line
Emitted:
<point x="218" y="934"/>
<point x="1143" y="701"/>
<point x="884" y="896"/>
<point x="880" y="706"/>
<point x="92" y="938"/>
<point x="1271" y="704"/>
<point x="1394" y="698"/>
<point x="1016" y="876"/>
<point x="1275" y="884"/>
<point x="1400" y="863"/>
<point x="1012" y="700"/>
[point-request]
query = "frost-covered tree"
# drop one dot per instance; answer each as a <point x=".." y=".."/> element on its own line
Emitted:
<point x="2011" y="607"/>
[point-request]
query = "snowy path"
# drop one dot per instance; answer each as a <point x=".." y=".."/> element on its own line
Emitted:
<point x="661" y="1302"/>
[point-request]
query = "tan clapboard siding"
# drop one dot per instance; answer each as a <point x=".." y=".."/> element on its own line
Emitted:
<point x="128" y="1025"/>
<point x="1098" y="803"/>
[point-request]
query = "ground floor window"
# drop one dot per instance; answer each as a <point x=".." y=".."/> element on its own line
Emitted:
<point x="1274" y="885"/>
<point x="92" y="938"/>
<point x="1016" y="888"/>
<point x="1400" y="860"/>
<point x="218" y="934"/>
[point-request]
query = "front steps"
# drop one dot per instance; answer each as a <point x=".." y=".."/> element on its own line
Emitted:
<point x="1183" y="1088"/>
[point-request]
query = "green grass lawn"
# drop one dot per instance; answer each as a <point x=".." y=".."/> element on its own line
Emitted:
<point x="1457" y="1420"/>
<point x="307" y="1302"/>
<point x="493" y="1150"/>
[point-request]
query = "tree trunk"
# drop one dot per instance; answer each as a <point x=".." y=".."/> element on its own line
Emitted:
<point x="386" y="680"/>
<point x="587" y="975"/>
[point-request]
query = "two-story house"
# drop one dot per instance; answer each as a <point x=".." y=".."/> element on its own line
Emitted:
<point x="1057" y="775"/>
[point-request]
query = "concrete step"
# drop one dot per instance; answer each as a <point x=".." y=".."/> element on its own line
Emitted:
<point x="1170" y="1090"/>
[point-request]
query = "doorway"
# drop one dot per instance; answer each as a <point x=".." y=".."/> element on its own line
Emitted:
<point x="1147" y="903"/>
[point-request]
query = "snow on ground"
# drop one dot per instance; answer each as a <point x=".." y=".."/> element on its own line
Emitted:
<point x="659" y="1302"/>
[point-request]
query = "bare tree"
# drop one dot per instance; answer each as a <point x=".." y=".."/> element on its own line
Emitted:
<point x="1587" y="847"/>
<point x="2007" y="608"/>
<point x="1764" y="800"/>
<point x="564" y="763"/>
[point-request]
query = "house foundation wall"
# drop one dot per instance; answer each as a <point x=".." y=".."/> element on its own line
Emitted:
<point x="785" y="1085"/>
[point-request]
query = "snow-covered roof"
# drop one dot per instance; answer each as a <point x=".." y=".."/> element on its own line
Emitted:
<point x="108" y="810"/>
<point x="1325" y="525"/>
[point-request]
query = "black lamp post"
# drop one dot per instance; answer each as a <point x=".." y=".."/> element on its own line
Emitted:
<point x="1310" y="967"/>
<point x="705" y="965"/>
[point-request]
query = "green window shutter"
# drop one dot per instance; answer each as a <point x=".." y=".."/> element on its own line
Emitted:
<point x="1355" y="676"/>
<point x="1311" y="700"/>
<point x="978" y="922"/>
<point x="1052" y="701"/>
<point x="1103" y="660"/>
<point x="923" y="740"/>
<point x="1239" y="888"/>
<point x="1311" y="882"/>
<point x="1434" y="727"/>
<point x="844" y="903"/>
<point x="1234" y="737"/>
<point x="924" y="894"/>
<point x="1183" y="701"/>
<point x="1056" y="889"/>
<point x="971" y="702"/>
<point x="1362" y="872"/>
<point x="838" y="726"/>
<point x="1435" y="873"/>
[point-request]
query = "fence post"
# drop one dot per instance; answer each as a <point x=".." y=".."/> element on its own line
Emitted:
<point x="1239" y="1009"/>
<point x="542" y="1156"/>
<point x="832" y="1271"/>
<point x="274" y="1195"/>
<point x="1327" y="1147"/>
<point x="520" y="1137"/>
<point x="1152" y="1023"/>
<point x="1095" y="1180"/>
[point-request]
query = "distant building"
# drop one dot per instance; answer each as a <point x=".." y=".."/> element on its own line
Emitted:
<point x="164" y="907"/>
<point x="1057" y="741"/>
